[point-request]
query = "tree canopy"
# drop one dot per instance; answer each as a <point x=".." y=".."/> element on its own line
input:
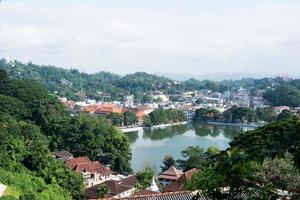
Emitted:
<point x="33" y="123"/>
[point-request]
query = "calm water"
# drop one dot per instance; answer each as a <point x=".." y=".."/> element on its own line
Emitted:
<point x="150" y="146"/>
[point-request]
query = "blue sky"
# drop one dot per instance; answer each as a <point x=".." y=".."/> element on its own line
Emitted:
<point x="124" y="36"/>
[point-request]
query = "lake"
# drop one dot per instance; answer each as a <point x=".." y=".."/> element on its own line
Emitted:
<point x="149" y="147"/>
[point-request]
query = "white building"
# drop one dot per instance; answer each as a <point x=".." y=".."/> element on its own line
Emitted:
<point x="129" y="101"/>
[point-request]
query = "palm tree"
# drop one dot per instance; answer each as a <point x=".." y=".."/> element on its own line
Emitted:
<point x="102" y="191"/>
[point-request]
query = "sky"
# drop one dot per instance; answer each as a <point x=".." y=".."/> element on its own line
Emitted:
<point x="166" y="36"/>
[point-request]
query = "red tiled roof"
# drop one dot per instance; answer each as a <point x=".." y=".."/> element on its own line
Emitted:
<point x="178" y="185"/>
<point x="93" y="167"/>
<point x="114" y="188"/>
<point x="144" y="192"/>
<point x="83" y="164"/>
<point x="172" y="173"/>
<point x="130" y="181"/>
<point x="72" y="163"/>
<point x="188" y="175"/>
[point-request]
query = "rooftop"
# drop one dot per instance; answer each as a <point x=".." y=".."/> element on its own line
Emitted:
<point x="83" y="164"/>
<point x="171" y="173"/>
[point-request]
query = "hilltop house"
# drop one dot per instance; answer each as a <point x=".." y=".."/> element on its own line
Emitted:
<point x="93" y="172"/>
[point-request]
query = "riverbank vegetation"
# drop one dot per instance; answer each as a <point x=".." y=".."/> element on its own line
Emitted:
<point x="241" y="115"/>
<point x="160" y="116"/>
<point x="32" y="124"/>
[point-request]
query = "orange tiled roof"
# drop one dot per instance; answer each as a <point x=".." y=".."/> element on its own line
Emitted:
<point x="103" y="108"/>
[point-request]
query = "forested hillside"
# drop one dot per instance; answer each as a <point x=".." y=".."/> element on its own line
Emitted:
<point x="107" y="86"/>
<point x="32" y="124"/>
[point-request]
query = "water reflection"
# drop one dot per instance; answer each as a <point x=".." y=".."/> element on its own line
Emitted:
<point x="132" y="136"/>
<point x="150" y="146"/>
<point x="229" y="132"/>
<point x="160" y="134"/>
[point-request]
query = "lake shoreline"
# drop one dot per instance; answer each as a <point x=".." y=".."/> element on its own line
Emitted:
<point x="160" y="126"/>
<point x="235" y="124"/>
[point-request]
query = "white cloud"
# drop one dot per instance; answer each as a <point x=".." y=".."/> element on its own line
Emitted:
<point x="261" y="37"/>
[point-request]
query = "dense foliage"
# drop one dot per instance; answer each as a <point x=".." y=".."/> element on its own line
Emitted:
<point x="32" y="123"/>
<point x="160" y="116"/>
<point x="233" y="115"/>
<point x="257" y="163"/>
<point x="284" y="95"/>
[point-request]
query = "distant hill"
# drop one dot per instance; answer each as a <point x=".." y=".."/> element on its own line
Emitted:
<point x="76" y="85"/>
<point x="108" y="86"/>
<point x="213" y="76"/>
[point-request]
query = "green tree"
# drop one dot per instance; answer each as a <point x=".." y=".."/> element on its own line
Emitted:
<point x="116" y="119"/>
<point x="241" y="114"/>
<point x="168" y="161"/>
<point x="102" y="191"/>
<point x="284" y="95"/>
<point x="13" y="107"/>
<point x="144" y="179"/>
<point x="266" y="114"/>
<point x="281" y="172"/>
<point x="130" y="118"/>
<point x="285" y="114"/>
<point x="147" y="98"/>
<point x="4" y="79"/>
<point x="194" y="157"/>
<point x="158" y="116"/>
<point x="201" y="115"/>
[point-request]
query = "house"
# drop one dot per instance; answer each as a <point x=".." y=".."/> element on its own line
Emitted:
<point x="179" y="184"/>
<point x="129" y="101"/>
<point x="62" y="155"/>
<point x="117" y="189"/>
<point x="170" y="175"/>
<point x="93" y="172"/>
